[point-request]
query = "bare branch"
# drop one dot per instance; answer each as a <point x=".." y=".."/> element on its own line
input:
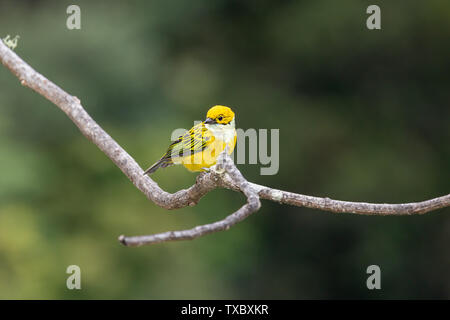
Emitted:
<point x="230" y="178"/>
<point x="339" y="206"/>
<point x="71" y="106"/>
<point x="253" y="204"/>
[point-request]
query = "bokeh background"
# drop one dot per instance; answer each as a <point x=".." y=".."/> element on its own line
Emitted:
<point x="363" y="116"/>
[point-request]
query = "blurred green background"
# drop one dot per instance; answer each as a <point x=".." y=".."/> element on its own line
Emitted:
<point x="363" y="116"/>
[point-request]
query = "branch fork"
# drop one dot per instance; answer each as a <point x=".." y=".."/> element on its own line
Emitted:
<point x="223" y="175"/>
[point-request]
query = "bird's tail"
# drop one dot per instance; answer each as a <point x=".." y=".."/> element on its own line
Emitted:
<point x="161" y="163"/>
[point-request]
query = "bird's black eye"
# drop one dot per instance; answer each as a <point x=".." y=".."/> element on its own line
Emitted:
<point x="220" y="118"/>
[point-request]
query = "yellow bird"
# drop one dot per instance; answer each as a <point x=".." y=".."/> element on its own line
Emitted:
<point x="199" y="148"/>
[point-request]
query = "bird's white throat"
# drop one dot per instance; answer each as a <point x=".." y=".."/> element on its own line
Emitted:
<point x="223" y="132"/>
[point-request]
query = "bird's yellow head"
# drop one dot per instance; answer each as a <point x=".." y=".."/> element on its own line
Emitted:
<point x="219" y="115"/>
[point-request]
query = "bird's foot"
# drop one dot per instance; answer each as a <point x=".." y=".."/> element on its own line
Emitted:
<point x="218" y="169"/>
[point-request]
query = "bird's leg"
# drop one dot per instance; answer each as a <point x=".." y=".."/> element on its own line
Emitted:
<point x="219" y="167"/>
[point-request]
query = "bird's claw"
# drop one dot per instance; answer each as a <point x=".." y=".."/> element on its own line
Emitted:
<point x="219" y="169"/>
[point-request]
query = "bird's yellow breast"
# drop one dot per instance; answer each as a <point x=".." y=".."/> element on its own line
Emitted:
<point x="207" y="157"/>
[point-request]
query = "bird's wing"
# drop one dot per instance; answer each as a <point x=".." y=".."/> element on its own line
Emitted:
<point x="193" y="141"/>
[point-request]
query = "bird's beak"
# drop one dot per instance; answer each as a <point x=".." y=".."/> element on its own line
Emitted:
<point x="210" y="121"/>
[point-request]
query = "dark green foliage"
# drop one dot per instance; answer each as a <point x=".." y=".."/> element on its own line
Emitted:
<point x="363" y="115"/>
